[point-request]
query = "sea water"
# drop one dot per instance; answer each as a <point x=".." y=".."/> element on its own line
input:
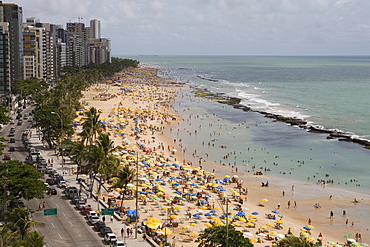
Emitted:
<point x="328" y="91"/>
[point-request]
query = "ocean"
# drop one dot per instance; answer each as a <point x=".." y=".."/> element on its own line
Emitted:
<point x="327" y="92"/>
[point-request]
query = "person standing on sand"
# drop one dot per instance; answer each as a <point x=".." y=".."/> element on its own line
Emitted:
<point x="278" y="206"/>
<point x="288" y="204"/>
<point x="309" y="221"/>
<point x="331" y="214"/>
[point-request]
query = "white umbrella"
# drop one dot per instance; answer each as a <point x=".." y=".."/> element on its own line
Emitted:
<point x="262" y="234"/>
<point x="351" y="240"/>
<point x="248" y="234"/>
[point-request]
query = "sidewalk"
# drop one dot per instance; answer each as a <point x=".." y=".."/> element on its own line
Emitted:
<point x="66" y="170"/>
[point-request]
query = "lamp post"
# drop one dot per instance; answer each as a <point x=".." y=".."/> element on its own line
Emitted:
<point x="61" y="129"/>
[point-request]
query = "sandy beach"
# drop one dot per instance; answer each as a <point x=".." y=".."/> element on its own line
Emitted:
<point x="137" y="111"/>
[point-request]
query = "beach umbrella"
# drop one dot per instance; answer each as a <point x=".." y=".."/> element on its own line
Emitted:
<point x="272" y="233"/>
<point x="196" y="216"/>
<point x="215" y="219"/>
<point x="217" y="208"/>
<point x="208" y="214"/>
<point x="264" y="200"/>
<point x="213" y="211"/>
<point x="351" y="240"/>
<point x="307" y="228"/>
<point x="270" y="224"/>
<point x="275" y="212"/>
<point x="178" y="207"/>
<point x="292" y="228"/>
<point x="185" y="227"/>
<point x="281" y="236"/>
<point x="208" y="224"/>
<point x="173" y="216"/>
<point x="262" y="234"/>
<point x="219" y="223"/>
<point x="347" y="235"/>
<point x="248" y="234"/>
<point x="242" y="219"/>
<point x="253" y="240"/>
<point x="194" y="224"/>
<point x="240" y="213"/>
<point x="279" y="221"/>
<point x="235" y="224"/>
<point x="364" y="244"/>
<point x="255" y="213"/>
<point x="249" y="224"/>
<point x="331" y="242"/>
<point x="311" y="226"/>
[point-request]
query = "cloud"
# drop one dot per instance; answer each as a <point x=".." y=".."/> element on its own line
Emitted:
<point x="218" y="26"/>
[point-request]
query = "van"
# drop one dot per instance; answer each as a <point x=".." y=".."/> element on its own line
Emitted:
<point x="71" y="192"/>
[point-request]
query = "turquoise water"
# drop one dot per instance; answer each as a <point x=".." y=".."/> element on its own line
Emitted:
<point x="328" y="91"/>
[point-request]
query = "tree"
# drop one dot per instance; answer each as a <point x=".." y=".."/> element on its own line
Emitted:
<point x="215" y="236"/>
<point x="293" y="241"/>
<point x="20" y="181"/>
<point x="20" y="221"/>
<point x="101" y="160"/>
<point x="125" y="176"/>
<point x="79" y="154"/>
<point x="92" y="126"/>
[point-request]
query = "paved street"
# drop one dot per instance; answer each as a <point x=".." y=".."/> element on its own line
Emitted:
<point x="69" y="228"/>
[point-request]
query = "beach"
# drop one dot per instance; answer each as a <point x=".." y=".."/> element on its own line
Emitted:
<point x="149" y="99"/>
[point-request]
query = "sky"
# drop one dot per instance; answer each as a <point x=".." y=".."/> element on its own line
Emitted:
<point x="218" y="27"/>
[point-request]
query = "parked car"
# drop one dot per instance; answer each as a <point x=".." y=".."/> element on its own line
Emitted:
<point x="12" y="122"/>
<point x="62" y="184"/>
<point x="91" y="213"/>
<point x="50" y="181"/>
<point x="86" y="209"/>
<point x="11" y="149"/>
<point x="80" y="204"/>
<point x="99" y="225"/>
<point x="19" y="122"/>
<point x="110" y="238"/>
<point x="52" y="191"/>
<point x="7" y="157"/>
<point x="119" y="244"/>
<point x="94" y="219"/>
<point x="11" y="140"/>
<point x="105" y="230"/>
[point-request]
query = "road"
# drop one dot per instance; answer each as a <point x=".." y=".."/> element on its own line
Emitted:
<point x="69" y="227"/>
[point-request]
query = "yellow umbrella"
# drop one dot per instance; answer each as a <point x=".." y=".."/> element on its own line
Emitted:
<point x="279" y="221"/>
<point x="167" y="231"/>
<point x="193" y="224"/>
<point x="165" y="208"/>
<point x="235" y="224"/>
<point x="249" y="224"/>
<point x="178" y="207"/>
<point x="185" y="227"/>
<point x="292" y="228"/>
<point x="253" y="240"/>
<point x="273" y="233"/>
<point x="242" y="219"/>
<point x="173" y="216"/>
<point x="264" y="200"/>
<point x="311" y="226"/>
<point x="215" y="219"/>
<point x="270" y="224"/>
<point x="217" y="208"/>
<point x="208" y="224"/>
<point x="227" y="176"/>
<point x="251" y="216"/>
<point x="219" y="223"/>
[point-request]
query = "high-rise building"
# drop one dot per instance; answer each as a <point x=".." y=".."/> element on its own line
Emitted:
<point x="95" y="29"/>
<point x="4" y="58"/>
<point x="12" y="14"/>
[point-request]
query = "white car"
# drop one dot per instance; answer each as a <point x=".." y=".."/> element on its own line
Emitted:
<point x="110" y="238"/>
<point x="91" y="213"/>
<point x="62" y="184"/>
<point x="119" y="244"/>
<point x="94" y="219"/>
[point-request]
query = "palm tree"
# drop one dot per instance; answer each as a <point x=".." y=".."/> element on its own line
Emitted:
<point x="101" y="160"/>
<point x="293" y="241"/>
<point x="35" y="239"/>
<point x="125" y="176"/>
<point x="20" y="221"/>
<point x="92" y="126"/>
<point x="79" y="154"/>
